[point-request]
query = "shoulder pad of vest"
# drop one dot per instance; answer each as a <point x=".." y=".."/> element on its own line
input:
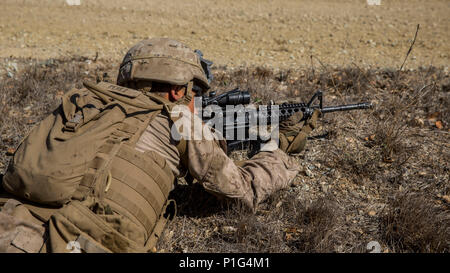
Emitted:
<point x="120" y="90"/>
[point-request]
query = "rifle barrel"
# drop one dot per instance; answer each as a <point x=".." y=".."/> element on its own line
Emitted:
<point x="329" y="109"/>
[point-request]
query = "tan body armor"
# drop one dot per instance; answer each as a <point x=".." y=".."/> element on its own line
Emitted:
<point x="82" y="160"/>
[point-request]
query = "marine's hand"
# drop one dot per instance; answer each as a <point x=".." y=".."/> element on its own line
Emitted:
<point x="294" y="132"/>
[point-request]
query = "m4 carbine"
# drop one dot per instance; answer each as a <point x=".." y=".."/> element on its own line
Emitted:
<point x="233" y="121"/>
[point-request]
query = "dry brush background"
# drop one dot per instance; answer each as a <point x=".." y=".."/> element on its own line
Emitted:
<point x="378" y="175"/>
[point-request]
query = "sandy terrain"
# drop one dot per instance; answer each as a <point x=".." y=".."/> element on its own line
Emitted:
<point x="282" y="33"/>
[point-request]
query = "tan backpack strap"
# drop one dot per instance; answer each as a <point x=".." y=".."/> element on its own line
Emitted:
<point x="142" y="125"/>
<point x="101" y="92"/>
<point x="168" y="213"/>
<point x="167" y="106"/>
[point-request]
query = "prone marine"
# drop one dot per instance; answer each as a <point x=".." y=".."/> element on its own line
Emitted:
<point x="97" y="172"/>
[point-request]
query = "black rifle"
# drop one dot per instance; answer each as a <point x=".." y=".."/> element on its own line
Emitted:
<point x="237" y="97"/>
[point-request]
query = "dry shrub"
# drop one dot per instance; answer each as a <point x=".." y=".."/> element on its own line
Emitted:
<point x="363" y="163"/>
<point x="289" y="227"/>
<point x="256" y="235"/>
<point x="315" y="226"/>
<point x="412" y="223"/>
<point x="39" y="82"/>
<point x="350" y="80"/>
<point x="250" y="232"/>
<point x="390" y="137"/>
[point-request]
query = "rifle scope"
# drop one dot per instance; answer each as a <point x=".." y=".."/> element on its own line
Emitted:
<point x="233" y="97"/>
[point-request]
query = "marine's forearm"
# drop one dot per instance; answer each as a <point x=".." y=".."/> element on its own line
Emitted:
<point x="251" y="182"/>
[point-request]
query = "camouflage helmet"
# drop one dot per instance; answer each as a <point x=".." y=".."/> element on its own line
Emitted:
<point x="162" y="60"/>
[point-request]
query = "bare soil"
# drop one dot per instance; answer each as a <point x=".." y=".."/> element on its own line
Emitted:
<point x="378" y="175"/>
<point x="282" y="33"/>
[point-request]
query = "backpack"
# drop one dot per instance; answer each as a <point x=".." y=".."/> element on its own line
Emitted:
<point x="82" y="146"/>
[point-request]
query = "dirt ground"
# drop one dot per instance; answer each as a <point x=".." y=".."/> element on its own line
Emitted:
<point x="279" y="34"/>
<point x="379" y="175"/>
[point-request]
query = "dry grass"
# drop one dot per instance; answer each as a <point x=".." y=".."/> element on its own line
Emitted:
<point x="413" y="223"/>
<point x="350" y="190"/>
<point x="315" y="227"/>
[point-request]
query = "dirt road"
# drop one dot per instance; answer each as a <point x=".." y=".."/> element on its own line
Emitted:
<point x="283" y="33"/>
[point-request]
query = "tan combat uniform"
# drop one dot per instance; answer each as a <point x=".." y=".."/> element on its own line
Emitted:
<point x="252" y="182"/>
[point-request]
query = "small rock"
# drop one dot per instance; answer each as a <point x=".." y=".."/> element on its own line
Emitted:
<point x="14" y="66"/>
<point x="170" y="236"/>
<point x="433" y="117"/>
<point x="372" y="213"/>
<point x="10" y="151"/>
<point x="419" y="121"/>
<point x="282" y="88"/>
<point x="228" y="229"/>
<point x="446" y="198"/>
<point x="349" y="140"/>
<point x="288" y="237"/>
<point x="354" y="193"/>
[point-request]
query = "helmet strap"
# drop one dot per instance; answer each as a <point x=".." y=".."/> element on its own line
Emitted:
<point x="188" y="95"/>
